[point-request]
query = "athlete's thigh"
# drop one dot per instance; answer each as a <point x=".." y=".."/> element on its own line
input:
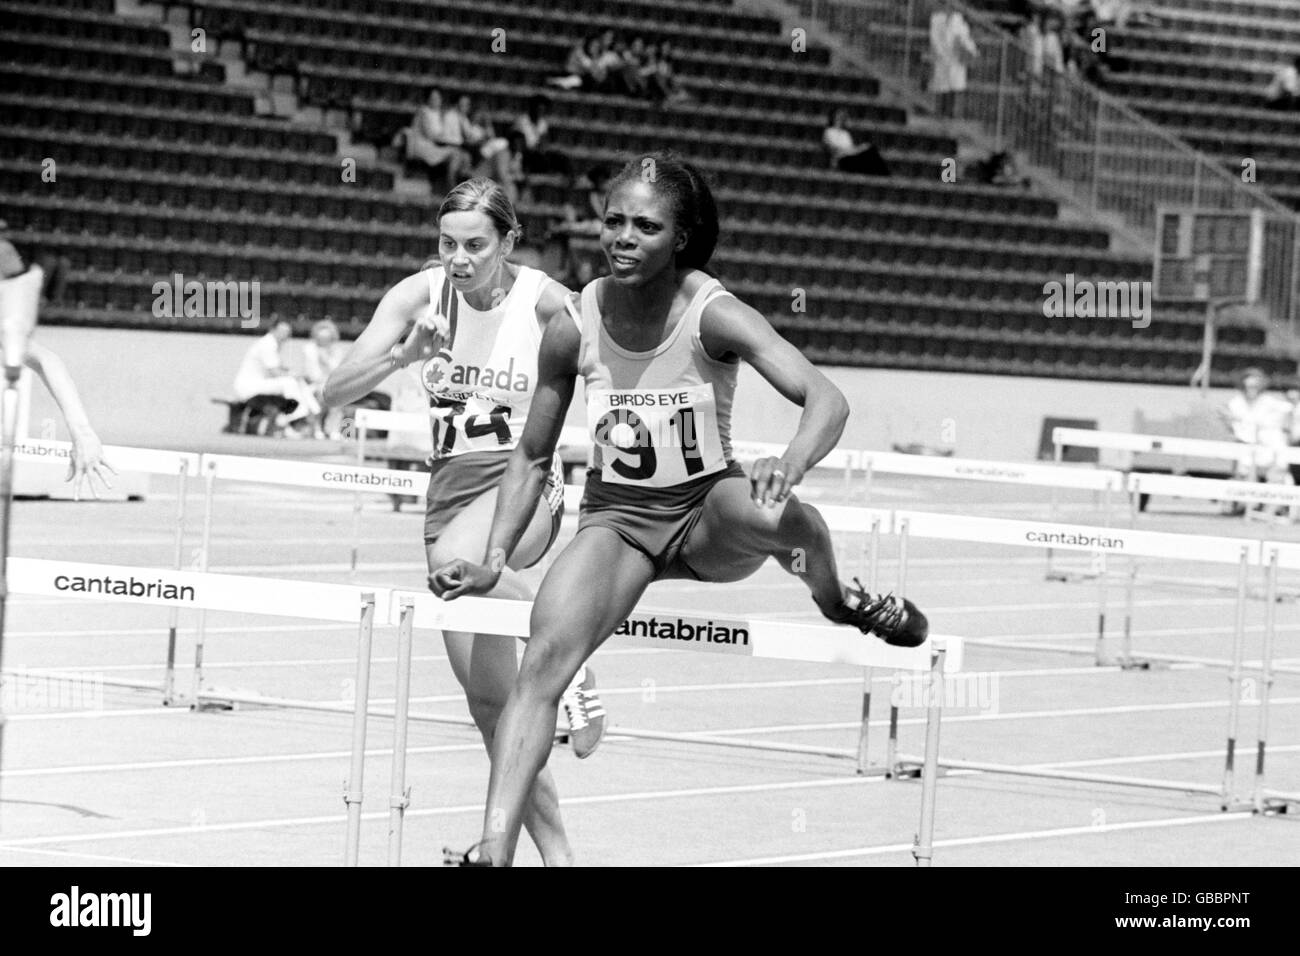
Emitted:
<point x="592" y="586"/>
<point x="466" y="535"/>
<point x="731" y="539"/>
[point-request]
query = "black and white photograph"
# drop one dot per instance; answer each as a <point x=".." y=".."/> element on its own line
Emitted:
<point x="743" y="434"/>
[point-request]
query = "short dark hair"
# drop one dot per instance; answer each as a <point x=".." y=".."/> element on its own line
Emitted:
<point x="694" y="209"/>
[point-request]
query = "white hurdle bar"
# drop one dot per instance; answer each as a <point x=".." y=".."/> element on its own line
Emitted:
<point x="1056" y="477"/>
<point x="748" y="637"/>
<point x="181" y="465"/>
<point x="1173" y="445"/>
<point x="1086" y="538"/>
<point x="1242" y="552"/>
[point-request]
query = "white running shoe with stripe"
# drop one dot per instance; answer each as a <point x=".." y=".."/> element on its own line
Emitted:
<point x="585" y="713"/>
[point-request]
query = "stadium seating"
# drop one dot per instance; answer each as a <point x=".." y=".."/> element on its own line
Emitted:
<point x="165" y="167"/>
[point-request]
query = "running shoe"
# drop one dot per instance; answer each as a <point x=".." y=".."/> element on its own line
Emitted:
<point x="451" y="857"/>
<point x="585" y="712"/>
<point x="893" y="619"/>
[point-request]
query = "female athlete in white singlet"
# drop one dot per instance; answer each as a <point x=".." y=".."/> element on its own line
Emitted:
<point x="478" y="323"/>
<point x="658" y="344"/>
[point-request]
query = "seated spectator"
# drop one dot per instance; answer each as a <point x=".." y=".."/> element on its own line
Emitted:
<point x="321" y="355"/>
<point x="661" y="77"/>
<point x="1259" y="417"/>
<point x="630" y="75"/>
<point x="998" y="170"/>
<point x="583" y="216"/>
<point x="580" y="71"/>
<point x="264" y="372"/>
<point x="433" y="142"/>
<point x="1284" y="92"/>
<point x="538" y="154"/>
<point x="486" y="153"/>
<point x="847" y="155"/>
<point x="611" y="66"/>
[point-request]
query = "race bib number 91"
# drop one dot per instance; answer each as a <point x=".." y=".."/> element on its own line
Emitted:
<point x="656" y="438"/>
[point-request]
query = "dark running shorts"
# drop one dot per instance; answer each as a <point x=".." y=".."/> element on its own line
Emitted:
<point x="655" y="521"/>
<point x="455" y="482"/>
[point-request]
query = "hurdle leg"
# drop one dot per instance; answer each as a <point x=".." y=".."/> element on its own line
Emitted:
<point x="399" y="795"/>
<point x="196" y="680"/>
<point x="352" y="789"/>
<point x="923" y="850"/>
<point x="360" y="425"/>
<point x="1234" y="682"/>
<point x="872" y="545"/>
<point x="1265" y="679"/>
<point x="1058" y="458"/>
<point x="1126" y="639"/>
<point x="173" y="613"/>
<point x="1101" y="609"/>
<point x="891" y="752"/>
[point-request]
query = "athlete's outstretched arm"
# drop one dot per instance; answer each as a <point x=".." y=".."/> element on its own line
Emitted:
<point x="729" y="327"/>
<point x="530" y="462"/>
<point x="87" y="453"/>
<point x="376" y="353"/>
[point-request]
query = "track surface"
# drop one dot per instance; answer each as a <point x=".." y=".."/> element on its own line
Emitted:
<point x="126" y="780"/>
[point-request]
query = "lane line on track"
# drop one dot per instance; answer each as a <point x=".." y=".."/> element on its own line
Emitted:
<point x="1022" y="836"/>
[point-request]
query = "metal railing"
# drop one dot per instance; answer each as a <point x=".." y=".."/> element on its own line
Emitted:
<point x="1112" y="160"/>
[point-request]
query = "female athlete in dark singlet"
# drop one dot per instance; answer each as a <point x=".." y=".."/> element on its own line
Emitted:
<point x="658" y="344"/>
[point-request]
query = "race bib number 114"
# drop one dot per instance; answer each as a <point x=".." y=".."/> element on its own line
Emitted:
<point x="655" y="438"/>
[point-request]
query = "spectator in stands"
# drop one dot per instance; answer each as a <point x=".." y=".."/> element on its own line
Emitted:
<point x="582" y="221"/>
<point x="630" y="73"/>
<point x="264" y="372"/>
<point x="1043" y="34"/>
<point x="86" y="460"/>
<point x="431" y="141"/>
<point x="487" y="154"/>
<point x="998" y="169"/>
<point x="538" y="155"/>
<point x="951" y="52"/>
<point x="660" y="75"/>
<point x="612" y="64"/>
<point x="581" y="70"/>
<point x="1259" y="417"/>
<point x="1283" y="92"/>
<point x="321" y="355"/>
<point x="845" y="153"/>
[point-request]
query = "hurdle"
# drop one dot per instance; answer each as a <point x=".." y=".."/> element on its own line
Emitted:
<point x="182" y="466"/>
<point x="1241" y="552"/>
<point x="711" y="633"/>
<point x="1056" y="477"/>
<point x="749" y="637"/>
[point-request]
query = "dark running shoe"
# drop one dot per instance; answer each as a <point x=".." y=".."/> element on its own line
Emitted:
<point x="451" y="858"/>
<point x="893" y="619"/>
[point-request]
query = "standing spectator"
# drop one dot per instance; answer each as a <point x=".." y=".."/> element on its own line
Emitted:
<point x="1043" y="34"/>
<point x="1283" y="92"/>
<point x="431" y="142"/>
<point x="1258" y="417"/>
<point x="538" y="155"/>
<point x="847" y="155"/>
<point x="264" y="372"/>
<point x="321" y="355"/>
<point x="951" y="51"/>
